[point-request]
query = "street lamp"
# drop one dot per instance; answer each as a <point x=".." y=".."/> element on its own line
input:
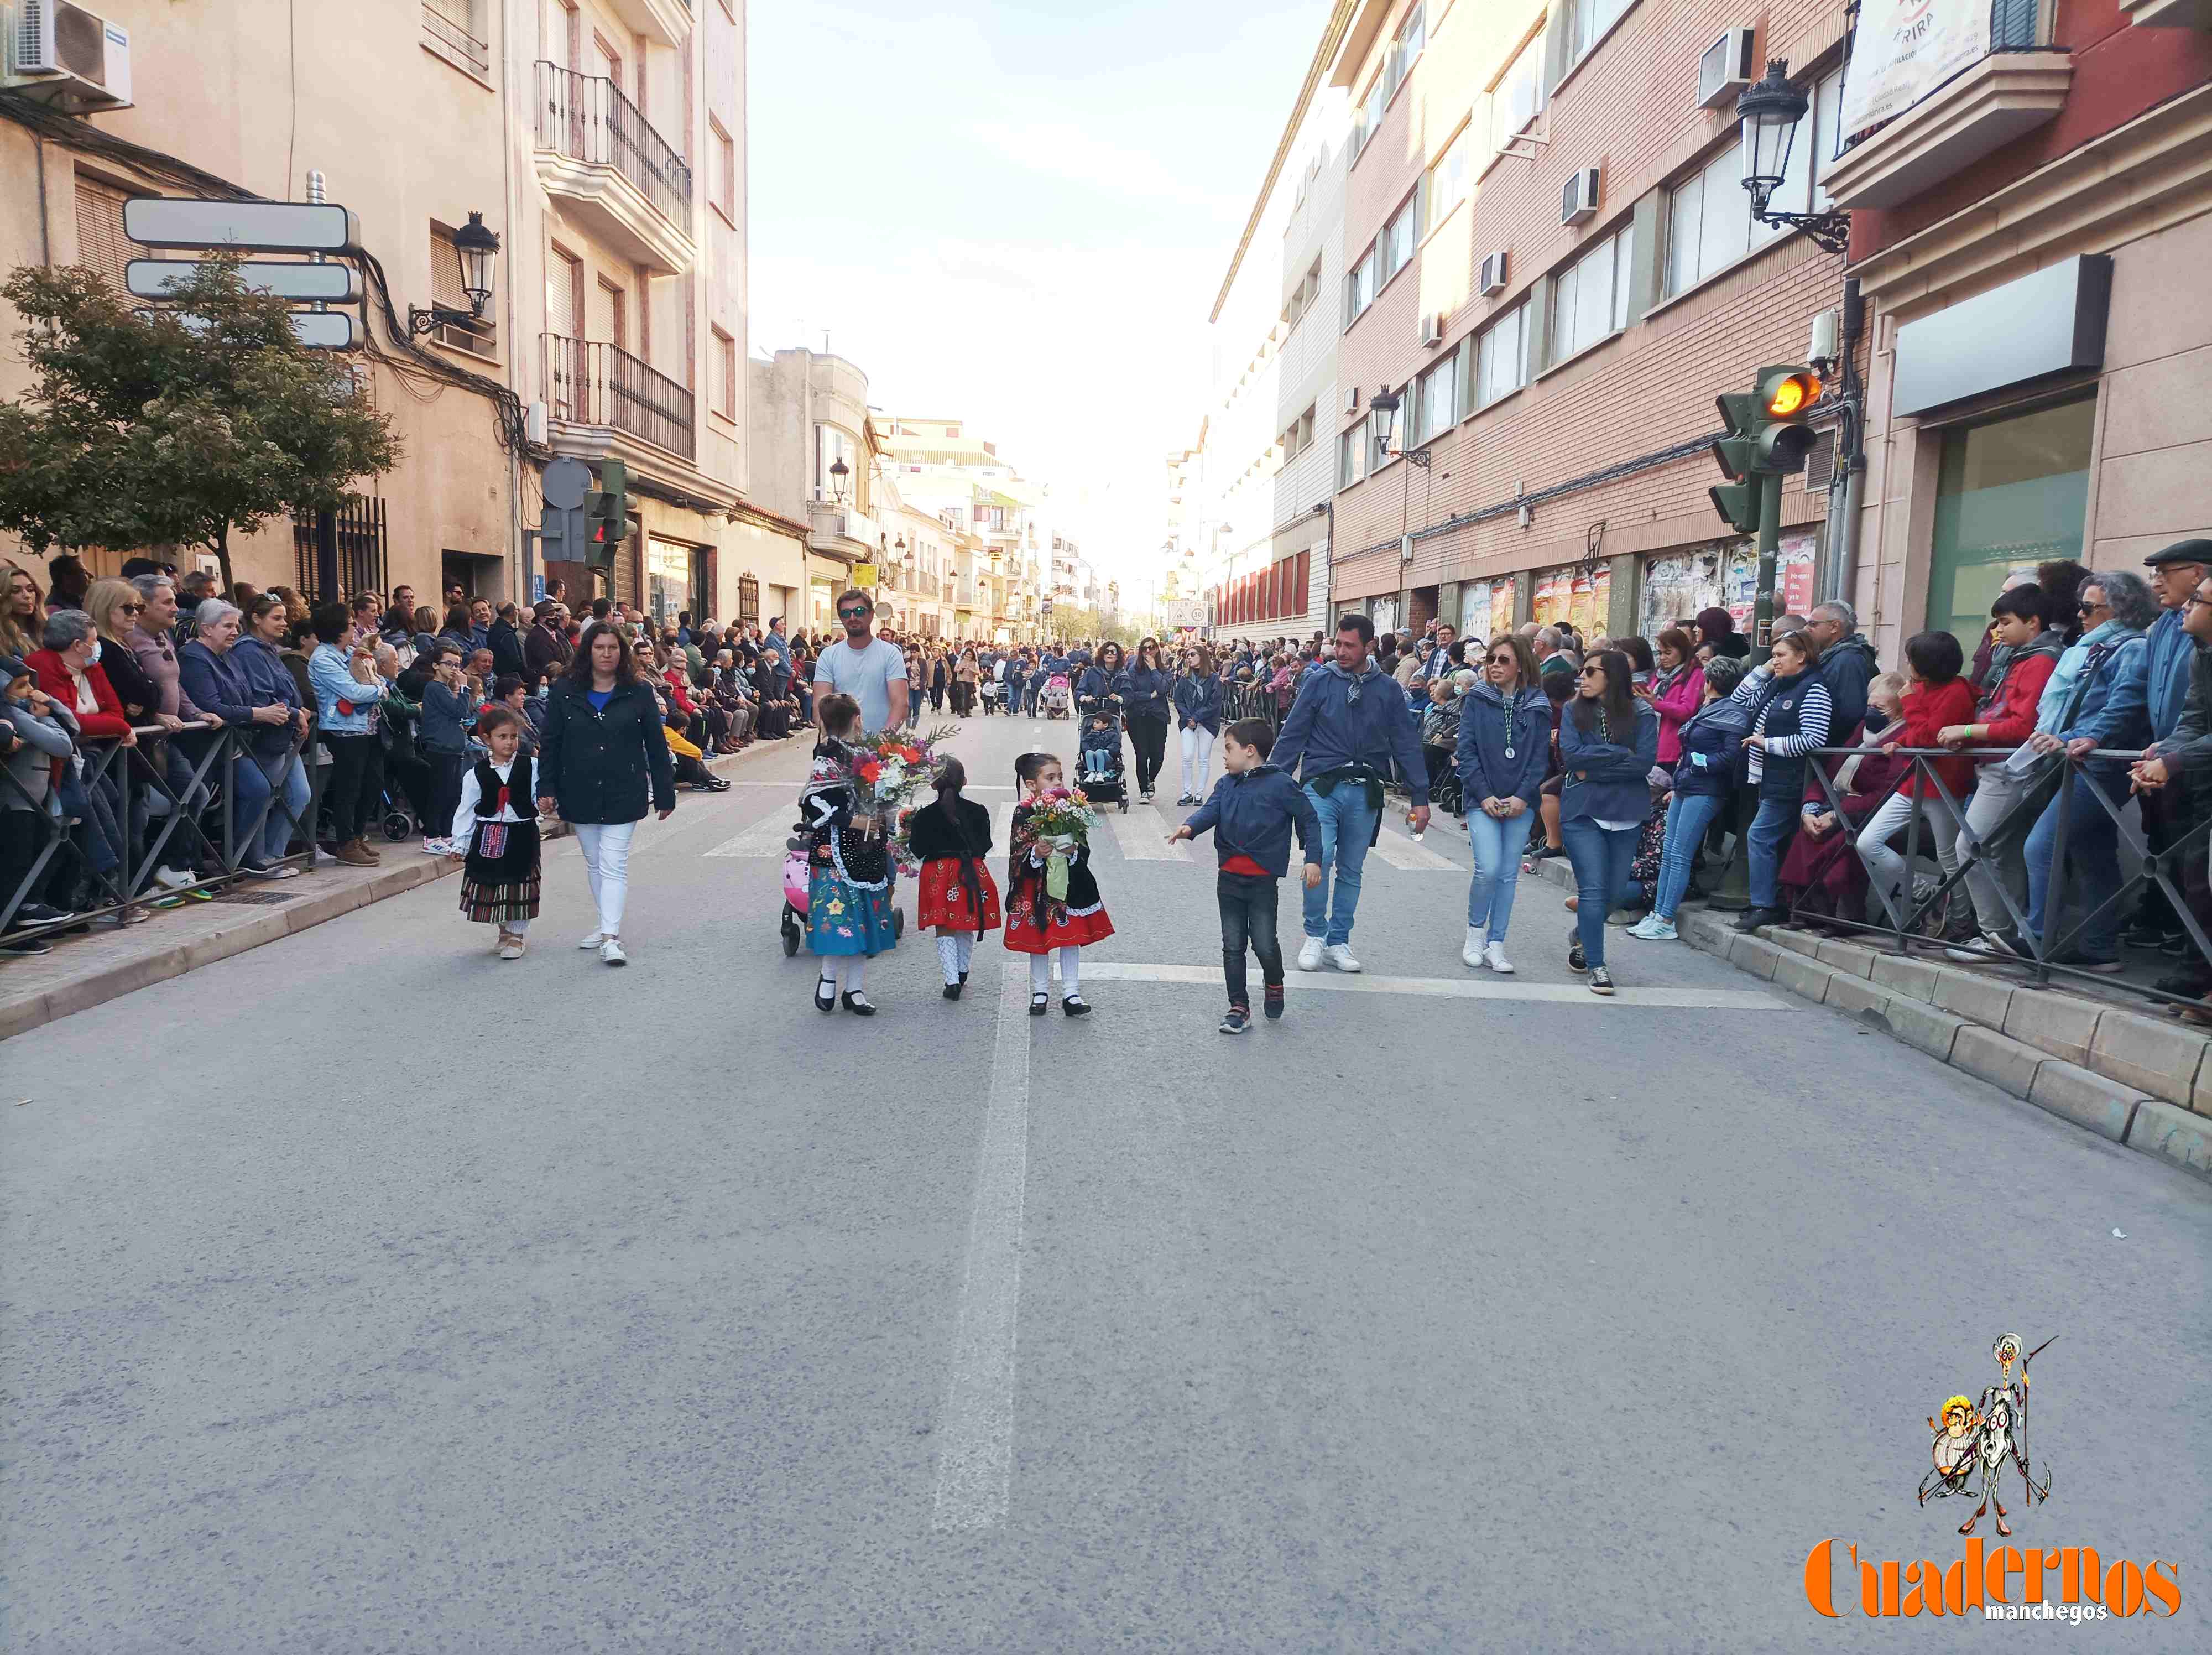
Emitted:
<point x="839" y="475"/>
<point x="1768" y="115"/>
<point x="477" y="247"/>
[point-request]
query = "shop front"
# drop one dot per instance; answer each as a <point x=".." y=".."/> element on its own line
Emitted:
<point x="1675" y="585"/>
<point x="675" y="578"/>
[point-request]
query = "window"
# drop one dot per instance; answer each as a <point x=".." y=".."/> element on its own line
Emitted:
<point x="722" y="381"/>
<point x="1590" y="298"/>
<point x="1502" y="357"/>
<point x="721" y="170"/>
<point x="1404" y="48"/>
<point x="1300" y="435"/>
<point x="1709" y="222"/>
<point x="1364" y="279"/>
<point x="100" y="243"/>
<point x="1518" y="97"/>
<point x="1587" y="23"/>
<point x="1303" y="296"/>
<point x="1447" y="184"/>
<point x="1379" y="453"/>
<point x="1395" y="243"/>
<point x="832" y="445"/>
<point x="1370" y="115"/>
<point x="481" y="335"/>
<point x="1436" y="401"/>
<point x="1351" y="456"/>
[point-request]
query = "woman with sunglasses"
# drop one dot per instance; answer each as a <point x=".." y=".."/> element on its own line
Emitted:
<point x="1504" y="747"/>
<point x="1609" y="741"/>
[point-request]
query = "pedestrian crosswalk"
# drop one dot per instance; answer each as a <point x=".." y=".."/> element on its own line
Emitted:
<point x="1401" y="850"/>
<point x="766" y="837"/>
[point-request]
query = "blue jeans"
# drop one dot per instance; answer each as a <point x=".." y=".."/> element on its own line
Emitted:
<point x="1601" y="858"/>
<point x="1346" y="825"/>
<point x="1770" y="833"/>
<point x="2093" y="858"/>
<point x="277" y="829"/>
<point x="1687" y="818"/>
<point x="1497" y="846"/>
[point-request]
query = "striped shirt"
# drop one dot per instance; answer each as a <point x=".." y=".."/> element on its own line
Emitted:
<point x="1814" y="713"/>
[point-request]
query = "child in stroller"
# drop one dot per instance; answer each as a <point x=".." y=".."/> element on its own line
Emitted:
<point x="1098" y="770"/>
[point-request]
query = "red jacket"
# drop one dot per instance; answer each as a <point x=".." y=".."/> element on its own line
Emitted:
<point x="1929" y="707"/>
<point x="2011" y="714"/>
<point x="54" y="679"/>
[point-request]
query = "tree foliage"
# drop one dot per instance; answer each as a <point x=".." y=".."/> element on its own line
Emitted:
<point x="206" y="419"/>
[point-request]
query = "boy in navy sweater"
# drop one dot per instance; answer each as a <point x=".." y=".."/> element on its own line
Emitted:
<point x="1250" y="814"/>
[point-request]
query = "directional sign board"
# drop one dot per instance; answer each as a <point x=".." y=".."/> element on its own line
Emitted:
<point x="318" y="330"/>
<point x="334" y="283"/>
<point x="248" y="226"/>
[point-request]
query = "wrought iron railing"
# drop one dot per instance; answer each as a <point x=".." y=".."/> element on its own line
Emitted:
<point x="2051" y="786"/>
<point x="447" y="22"/>
<point x="593" y="383"/>
<point x="150" y="821"/>
<point x="360" y="549"/>
<point x="2014" y="25"/>
<point x="587" y="118"/>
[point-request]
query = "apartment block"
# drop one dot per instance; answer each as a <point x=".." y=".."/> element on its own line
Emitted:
<point x="602" y="140"/>
<point x="1552" y="264"/>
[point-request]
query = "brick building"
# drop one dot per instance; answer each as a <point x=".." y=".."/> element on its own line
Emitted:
<point x="1564" y="273"/>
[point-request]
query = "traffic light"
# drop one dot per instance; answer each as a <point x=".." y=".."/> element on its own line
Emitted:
<point x="1786" y="396"/>
<point x="1766" y="434"/>
<point x="607" y="515"/>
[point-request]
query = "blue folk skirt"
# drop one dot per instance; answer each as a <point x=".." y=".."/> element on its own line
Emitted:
<point x="842" y="919"/>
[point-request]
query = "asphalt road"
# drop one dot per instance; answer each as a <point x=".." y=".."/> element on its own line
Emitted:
<point x="362" y="1292"/>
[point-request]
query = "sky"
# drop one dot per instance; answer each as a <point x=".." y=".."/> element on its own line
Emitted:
<point x="1018" y="214"/>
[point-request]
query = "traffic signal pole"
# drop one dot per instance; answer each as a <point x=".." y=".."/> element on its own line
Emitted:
<point x="1770" y="547"/>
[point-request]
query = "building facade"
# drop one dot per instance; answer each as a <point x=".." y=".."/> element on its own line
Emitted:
<point x="2034" y="232"/>
<point x="1002" y="557"/>
<point x="602" y="140"/>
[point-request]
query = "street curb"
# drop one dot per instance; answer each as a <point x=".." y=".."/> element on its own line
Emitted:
<point x="2032" y="1058"/>
<point x="30" y="1012"/>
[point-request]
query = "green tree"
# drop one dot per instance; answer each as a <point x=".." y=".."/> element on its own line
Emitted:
<point x="204" y="420"/>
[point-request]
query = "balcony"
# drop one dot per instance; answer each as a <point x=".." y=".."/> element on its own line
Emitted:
<point x="445" y="26"/>
<point x="596" y="385"/>
<point x="835" y="531"/>
<point x="665" y="22"/>
<point x="2018" y="86"/>
<point x="603" y="159"/>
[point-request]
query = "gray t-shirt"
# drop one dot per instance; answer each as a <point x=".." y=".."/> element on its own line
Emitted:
<point x="867" y="675"/>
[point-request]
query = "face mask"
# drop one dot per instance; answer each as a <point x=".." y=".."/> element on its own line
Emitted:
<point x="1875" y="719"/>
<point x="93" y="660"/>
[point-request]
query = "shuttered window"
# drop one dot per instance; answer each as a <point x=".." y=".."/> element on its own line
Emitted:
<point x="100" y="245"/>
<point x="560" y="295"/>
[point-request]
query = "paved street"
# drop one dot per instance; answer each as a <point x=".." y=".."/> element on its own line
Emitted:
<point x="363" y="1293"/>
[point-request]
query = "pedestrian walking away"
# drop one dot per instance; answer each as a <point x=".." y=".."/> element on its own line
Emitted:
<point x="1251" y="813"/>
<point x="603" y="748"/>
<point x="1349" y="726"/>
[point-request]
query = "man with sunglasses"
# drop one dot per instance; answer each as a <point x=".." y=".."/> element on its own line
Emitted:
<point x="864" y="666"/>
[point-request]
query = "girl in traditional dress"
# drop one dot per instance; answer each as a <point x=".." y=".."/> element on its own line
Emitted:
<point x="1037" y="923"/>
<point x="497" y="841"/>
<point x="950" y="838"/>
<point x="849" y="900"/>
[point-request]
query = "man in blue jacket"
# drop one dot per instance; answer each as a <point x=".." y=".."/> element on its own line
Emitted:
<point x="2167" y="652"/>
<point x="1349" y="724"/>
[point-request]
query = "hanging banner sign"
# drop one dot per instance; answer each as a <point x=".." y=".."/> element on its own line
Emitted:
<point x="1904" y="50"/>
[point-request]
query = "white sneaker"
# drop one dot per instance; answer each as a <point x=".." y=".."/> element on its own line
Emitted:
<point x="283" y="871"/>
<point x="1494" y="958"/>
<point x="1340" y="957"/>
<point x="170" y="878"/>
<point x="1309" y="955"/>
<point x="592" y="941"/>
<point x="1478" y="937"/>
<point x="611" y="950"/>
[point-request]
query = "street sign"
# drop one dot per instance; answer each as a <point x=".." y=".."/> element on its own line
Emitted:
<point x="336" y="284"/>
<point x="318" y="330"/>
<point x="248" y="226"/>
<point x="566" y="482"/>
<point x="863" y="577"/>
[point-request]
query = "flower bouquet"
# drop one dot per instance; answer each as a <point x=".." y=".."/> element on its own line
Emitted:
<point x="1062" y="819"/>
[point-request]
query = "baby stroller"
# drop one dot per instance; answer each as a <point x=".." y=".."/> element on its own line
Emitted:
<point x="1057" y="699"/>
<point x="1098" y="768"/>
<point x="794" y="922"/>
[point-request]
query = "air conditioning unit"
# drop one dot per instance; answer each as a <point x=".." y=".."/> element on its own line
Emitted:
<point x="1351" y="399"/>
<point x="1432" y="329"/>
<point x="1578" y="200"/>
<point x="1726" y="69"/>
<point x="1492" y="279"/>
<point x="73" y="58"/>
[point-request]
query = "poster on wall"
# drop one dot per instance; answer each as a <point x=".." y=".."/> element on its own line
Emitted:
<point x="1793" y="575"/>
<point x="1552" y="596"/>
<point x="1501" y="608"/>
<point x="1678" y="586"/>
<point x="1904" y="50"/>
<point x="1473" y="609"/>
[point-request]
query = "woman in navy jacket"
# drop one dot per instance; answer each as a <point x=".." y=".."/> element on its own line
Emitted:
<point x="1609" y="742"/>
<point x="1143" y="690"/>
<point x="1504" y="745"/>
<point x="1196" y="697"/>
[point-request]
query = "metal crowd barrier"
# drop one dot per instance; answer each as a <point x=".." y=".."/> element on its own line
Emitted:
<point x="2058" y="938"/>
<point x="202" y="829"/>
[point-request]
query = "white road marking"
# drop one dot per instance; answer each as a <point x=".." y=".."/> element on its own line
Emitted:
<point x="1140" y="839"/>
<point x="976" y="1437"/>
<point x="1002" y="828"/>
<point x="1486" y="987"/>
<point x="766" y="837"/>
<point x="1399" y="851"/>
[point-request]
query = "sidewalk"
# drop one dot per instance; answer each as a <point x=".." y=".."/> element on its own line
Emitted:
<point x="87" y="970"/>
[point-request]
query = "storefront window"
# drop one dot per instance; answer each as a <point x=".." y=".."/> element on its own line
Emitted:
<point x="672" y="573"/>
<point x="2009" y="495"/>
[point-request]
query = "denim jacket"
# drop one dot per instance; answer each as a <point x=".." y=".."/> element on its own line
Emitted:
<point x="1607" y="781"/>
<point x="343" y="704"/>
